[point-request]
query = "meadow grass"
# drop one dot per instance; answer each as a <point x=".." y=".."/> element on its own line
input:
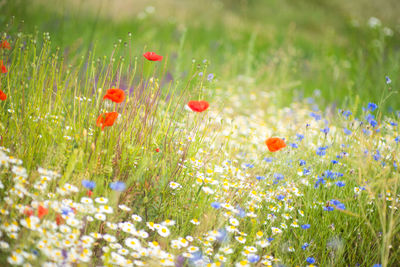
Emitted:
<point x="168" y="186"/>
<point x="297" y="46"/>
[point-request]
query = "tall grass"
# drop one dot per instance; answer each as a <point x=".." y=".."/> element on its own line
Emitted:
<point x="199" y="189"/>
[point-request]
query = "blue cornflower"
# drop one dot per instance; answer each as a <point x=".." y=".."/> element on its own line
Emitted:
<point x="196" y="255"/>
<point x="325" y="130"/>
<point x="242" y="212"/>
<point x="377" y="155"/>
<point x="321" y="151"/>
<point x="393" y="123"/>
<point x="309" y="100"/>
<point x="372" y="106"/>
<point x="319" y="181"/>
<point x="395" y="164"/>
<point x="222" y="235"/>
<point x="253" y="258"/>
<point x="280" y="197"/>
<point x="306" y="171"/>
<point x="305" y="226"/>
<point x="66" y="210"/>
<point x="278" y="176"/>
<point x="347" y="113"/>
<point x="330" y="174"/>
<point x="329" y="208"/>
<point x="302" y="162"/>
<point x="366" y="132"/>
<point x="118" y="186"/>
<point x="341" y="206"/>
<point x="340" y="183"/>
<point x="316" y="116"/>
<point x="347" y="131"/>
<point x="260" y="178"/>
<point x="210" y="77"/>
<point x="64" y="253"/>
<point x="294" y="145"/>
<point x="300" y="137"/>
<point x="248" y="165"/>
<point x="268" y="159"/>
<point x="334" y="202"/>
<point x="88" y="184"/>
<point x="305" y="245"/>
<point x="310" y="260"/>
<point x="369" y="117"/>
<point x="371" y="120"/>
<point x="388" y="80"/>
<point x="216" y="205"/>
<point x="270" y="239"/>
<point x="334" y="162"/>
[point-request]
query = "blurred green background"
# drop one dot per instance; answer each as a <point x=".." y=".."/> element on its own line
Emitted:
<point x="337" y="51"/>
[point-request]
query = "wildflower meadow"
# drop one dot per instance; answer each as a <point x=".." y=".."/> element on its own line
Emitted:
<point x="179" y="133"/>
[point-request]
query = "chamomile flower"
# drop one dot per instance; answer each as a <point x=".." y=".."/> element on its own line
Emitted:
<point x="259" y="234"/>
<point x="109" y="238"/>
<point x="276" y="230"/>
<point x="105" y="209"/>
<point x="151" y="225"/>
<point x="124" y="207"/>
<point x="168" y="222"/>
<point x="242" y="263"/>
<point x="174" y="185"/>
<point x="15" y="258"/>
<point x="136" y="218"/>
<point x="195" y="221"/>
<point x="96" y="235"/>
<point x="143" y="234"/>
<point x="263" y="243"/>
<point x="100" y="216"/>
<point x="163" y="231"/>
<point x="233" y="221"/>
<point x="101" y="200"/>
<point x="240" y="239"/>
<point x="112" y="226"/>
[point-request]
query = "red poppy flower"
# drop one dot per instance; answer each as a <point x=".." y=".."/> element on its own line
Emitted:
<point x="115" y="95"/>
<point x="274" y="144"/>
<point x="157" y="150"/>
<point x="106" y="119"/>
<point x="152" y="56"/>
<point x="3" y="96"/>
<point x="198" y="106"/>
<point x="42" y="211"/>
<point x="28" y="212"/>
<point x="59" y="219"/>
<point x="89" y="193"/>
<point x="3" y="68"/>
<point x="4" y="44"/>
